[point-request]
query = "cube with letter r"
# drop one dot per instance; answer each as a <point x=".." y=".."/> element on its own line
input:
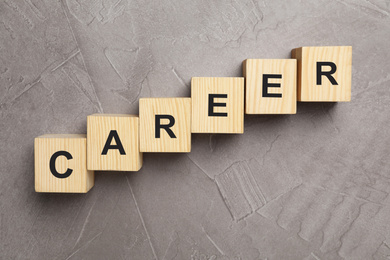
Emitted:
<point x="165" y="125"/>
<point x="324" y="73"/>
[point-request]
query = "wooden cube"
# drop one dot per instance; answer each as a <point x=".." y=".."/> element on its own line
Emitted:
<point x="270" y="86"/>
<point x="61" y="164"/>
<point x="113" y="142"/>
<point x="324" y="73"/>
<point x="217" y="105"/>
<point x="165" y="124"/>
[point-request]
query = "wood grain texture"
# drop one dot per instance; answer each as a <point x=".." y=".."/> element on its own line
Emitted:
<point x="81" y="180"/>
<point x="180" y="109"/>
<point x="99" y="127"/>
<point x="308" y="90"/>
<point x="233" y="87"/>
<point x="255" y="103"/>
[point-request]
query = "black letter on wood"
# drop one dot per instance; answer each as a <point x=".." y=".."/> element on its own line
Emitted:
<point x="328" y="74"/>
<point x="267" y="85"/>
<point x="118" y="145"/>
<point x="165" y="127"/>
<point x="53" y="164"/>
<point x="212" y="104"/>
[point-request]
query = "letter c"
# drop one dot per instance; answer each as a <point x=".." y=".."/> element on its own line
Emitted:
<point x="53" y="164"/>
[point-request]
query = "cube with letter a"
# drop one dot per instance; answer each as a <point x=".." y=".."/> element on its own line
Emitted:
<point x="324" y="73"/>
<point x="61" y="164"/>
<point x="113" y="142"/>
<point x="217" y="105"/>
<point x="270" y="86"/>
<point x="165" y="125"/>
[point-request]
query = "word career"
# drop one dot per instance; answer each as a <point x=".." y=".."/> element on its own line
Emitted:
<point x="66" y="163"/>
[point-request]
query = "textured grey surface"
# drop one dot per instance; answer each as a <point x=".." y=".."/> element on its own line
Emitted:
<point x="309" y="186"/>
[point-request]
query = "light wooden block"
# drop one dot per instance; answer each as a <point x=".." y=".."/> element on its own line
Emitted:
<point x="312" y="84"/>
<point x="113" y="142"/>
<point x="152" y="110"/>
<point x="270" y="86"/>
<point x="61" y="164"/>
<point x="217" y="105"/>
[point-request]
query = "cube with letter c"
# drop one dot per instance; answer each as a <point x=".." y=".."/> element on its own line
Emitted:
<point x="61" y="164"/>
<point x="165" y="125"/>
<point x="217" y="105"/>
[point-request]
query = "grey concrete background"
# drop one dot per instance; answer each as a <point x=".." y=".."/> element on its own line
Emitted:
<point x="309" y="186"/>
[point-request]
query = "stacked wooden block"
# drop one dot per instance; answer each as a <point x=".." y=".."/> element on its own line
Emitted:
<point x="66" y="163"/>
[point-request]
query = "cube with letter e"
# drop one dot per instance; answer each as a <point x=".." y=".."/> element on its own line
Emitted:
<point x="217" y="105"/>
<point x="324" y="73"/>
<point x="270" y="86"/>
<point x="165" y="125"/>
